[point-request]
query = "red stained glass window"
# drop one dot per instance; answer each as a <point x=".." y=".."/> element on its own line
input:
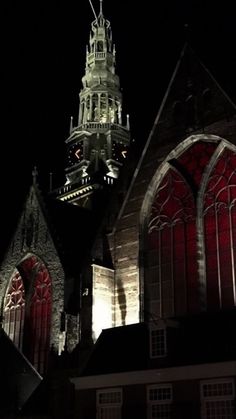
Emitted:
<point x="220" y="232"/>
<point x="196" y="158"/>
<point x="27" y="311"/>
<point x="40" y="317"/>
<point x="179" y="255"/>
<point x="172" y="241"/>
<point x="14" y="310"/>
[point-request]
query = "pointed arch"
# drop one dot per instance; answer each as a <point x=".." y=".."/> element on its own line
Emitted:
<point x="217" y="223"/>
<point x="38" y="312"/>
<point x="40" y="306"/>
<point x="14" y="309"/>
<point x="27" y="310"/>
<point x="171" y="244"/>
<point x="187" y="165"/>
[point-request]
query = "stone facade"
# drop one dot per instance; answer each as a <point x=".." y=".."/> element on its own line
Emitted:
<point x="103" y="299"/>
<point x="32" y="237"/>
<point x="168" y="138"/>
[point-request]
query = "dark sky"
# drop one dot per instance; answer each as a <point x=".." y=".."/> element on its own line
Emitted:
<point x="43" y="60"/>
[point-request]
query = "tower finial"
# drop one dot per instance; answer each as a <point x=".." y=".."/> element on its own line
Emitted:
<point x="35" y="175"/>
<point x="101" y="11"/>
<point x="186" y="32"/>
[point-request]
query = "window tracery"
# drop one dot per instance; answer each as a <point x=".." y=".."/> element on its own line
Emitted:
<point x="14" y="310"/>
<point x="172" y="242"/>
<point x="192" y="232"/>
<point x="27" y="310"/>
<point x="220" y="231"/>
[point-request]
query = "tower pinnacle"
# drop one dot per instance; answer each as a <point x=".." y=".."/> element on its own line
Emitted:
<point x="97" y="146"/>
<point x="101" y="12"/>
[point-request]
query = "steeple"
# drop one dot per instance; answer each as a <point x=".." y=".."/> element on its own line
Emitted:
<point x="97" y="145"/>
<point x="101" y="7"/>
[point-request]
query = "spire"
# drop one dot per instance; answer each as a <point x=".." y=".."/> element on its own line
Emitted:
<point x="35" y="175"/>
<point x="101" y="11"/>
<point x="99" y="140"/>
<point x="100" y="99"/>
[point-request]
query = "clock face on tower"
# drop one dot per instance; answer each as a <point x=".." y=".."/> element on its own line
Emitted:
<point x="119" y="151"/>
<point x="76" y="153"/>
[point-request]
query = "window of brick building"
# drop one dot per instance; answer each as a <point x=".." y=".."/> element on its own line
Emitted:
<point x="109" y="403"/>
<point x="159" y="401"/>
<point x="218" y="399"/>
<point x="158" y="347"/>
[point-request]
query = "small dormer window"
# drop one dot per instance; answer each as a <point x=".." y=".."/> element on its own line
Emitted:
<point x="158" y="347"/>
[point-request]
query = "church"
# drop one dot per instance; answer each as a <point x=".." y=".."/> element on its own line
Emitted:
<point x="135" y="315"/>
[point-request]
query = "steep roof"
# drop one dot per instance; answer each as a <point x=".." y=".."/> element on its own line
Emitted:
<point x="18" y="378"/>
<point x="194" y="102"/>
<point x="73" y="229"/>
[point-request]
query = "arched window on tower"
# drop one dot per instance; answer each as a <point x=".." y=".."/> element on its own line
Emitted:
<point x="99" y="46"/>
<point x="103" y="108"/>
<point x="87" y="112"/>
<point x="95" y="111"/>
<point x="81" y="114"/>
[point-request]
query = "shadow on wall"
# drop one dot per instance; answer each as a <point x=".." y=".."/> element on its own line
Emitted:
<point x="122" y="301"/>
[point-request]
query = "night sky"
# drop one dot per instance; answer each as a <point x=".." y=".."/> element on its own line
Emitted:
<point x="43" y="60"/>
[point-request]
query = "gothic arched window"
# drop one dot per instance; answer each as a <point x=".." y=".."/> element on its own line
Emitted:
<point x="191" y="238"/>
<point x="40" y="316"/>
<point x="27" y="311"/>
<point x="219" y="216"/>
<point x="14" y="310"/>
<point x="172" y="245"/>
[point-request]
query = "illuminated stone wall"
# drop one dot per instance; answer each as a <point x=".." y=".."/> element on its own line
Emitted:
<point x="102" y="299"/>
<point x="32" y="237"/>
<point x="133" y="298"/>
<point x="173" y="126"/>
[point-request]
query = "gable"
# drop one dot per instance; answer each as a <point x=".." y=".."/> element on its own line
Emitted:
<point x="33" y="241"/>
<point x="193" y="105"/>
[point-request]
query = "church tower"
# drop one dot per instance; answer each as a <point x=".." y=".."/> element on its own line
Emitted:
<point x="97" y="145"/>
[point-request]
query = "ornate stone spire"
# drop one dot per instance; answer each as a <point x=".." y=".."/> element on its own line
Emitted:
<point x="97" y="146"/>
<point x="100" y="98"/>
